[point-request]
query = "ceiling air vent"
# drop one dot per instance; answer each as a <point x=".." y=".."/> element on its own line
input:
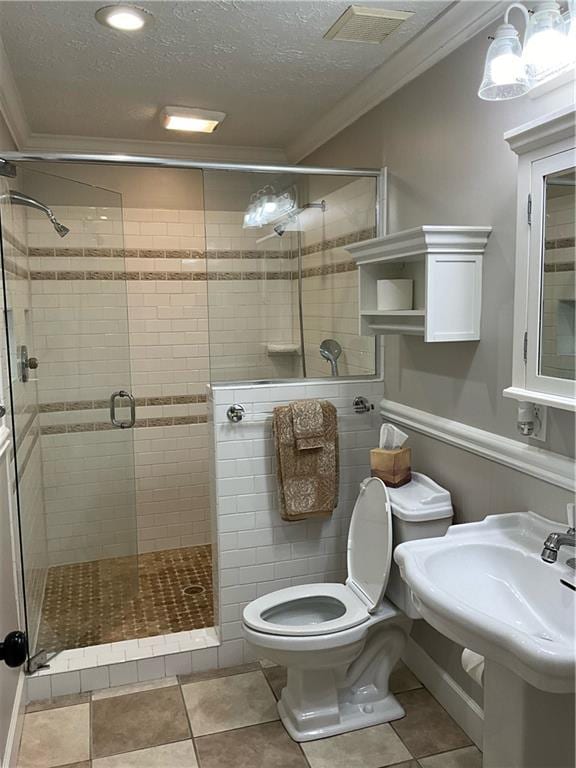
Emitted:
<point x="366" y="25"/>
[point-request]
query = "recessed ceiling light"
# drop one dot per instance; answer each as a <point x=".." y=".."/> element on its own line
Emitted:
<point x="191" y="119"/>
<point x="126" y="18"/>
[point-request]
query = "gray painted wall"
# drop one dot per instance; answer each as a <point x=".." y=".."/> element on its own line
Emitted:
<point x="449" y="164"/>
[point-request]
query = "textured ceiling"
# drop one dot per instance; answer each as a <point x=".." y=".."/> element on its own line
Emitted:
<point x="263" y="62"/>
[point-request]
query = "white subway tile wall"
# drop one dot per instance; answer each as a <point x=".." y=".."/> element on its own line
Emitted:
<point x="258" y="552"/>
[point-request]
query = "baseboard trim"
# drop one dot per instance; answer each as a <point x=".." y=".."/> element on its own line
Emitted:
<point x="545" y="465"/>
<point x="466" y="712"/>
<point x="16" y="724"/>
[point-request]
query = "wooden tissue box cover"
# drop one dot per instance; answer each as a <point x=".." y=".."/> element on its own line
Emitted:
<point x="392" y="467"/>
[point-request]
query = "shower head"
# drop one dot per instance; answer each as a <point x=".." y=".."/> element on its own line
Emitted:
<point x="17" y="198"/>
<point x="331" y="350"/>
<point x="61" y="229"/>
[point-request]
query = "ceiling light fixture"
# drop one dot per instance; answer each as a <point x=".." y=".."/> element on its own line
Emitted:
<point x="511" y="70"/>
<point x="266" y="206"/>
<point x="126" y="18"/>
<point x="191" y="119"/>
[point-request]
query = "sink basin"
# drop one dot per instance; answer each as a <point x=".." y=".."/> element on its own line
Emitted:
<point x="485" y="586"/>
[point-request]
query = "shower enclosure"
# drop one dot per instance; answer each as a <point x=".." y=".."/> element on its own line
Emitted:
<point x="120" y="307"/>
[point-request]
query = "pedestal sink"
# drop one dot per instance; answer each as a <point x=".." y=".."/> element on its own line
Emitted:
<point x="485" y="586"/>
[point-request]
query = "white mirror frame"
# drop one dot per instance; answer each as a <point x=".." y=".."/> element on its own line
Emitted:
<point x="542" y="146"/>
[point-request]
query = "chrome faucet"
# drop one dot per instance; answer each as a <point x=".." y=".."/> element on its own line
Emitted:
<point x="555" y="541"/>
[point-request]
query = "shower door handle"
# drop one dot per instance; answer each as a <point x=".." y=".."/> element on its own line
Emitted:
<point x="118" y="422"/>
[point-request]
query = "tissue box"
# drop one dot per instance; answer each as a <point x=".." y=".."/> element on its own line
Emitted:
<point x="392" y="467"/>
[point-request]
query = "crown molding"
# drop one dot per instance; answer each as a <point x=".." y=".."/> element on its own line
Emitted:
<point x="45" y="142"/>
<point x="544" y="131"/>
<point x="11" y="107"/>
<point x="462" y="21"/>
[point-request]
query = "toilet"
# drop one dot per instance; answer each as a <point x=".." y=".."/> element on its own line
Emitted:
<point x="340" y="642"/>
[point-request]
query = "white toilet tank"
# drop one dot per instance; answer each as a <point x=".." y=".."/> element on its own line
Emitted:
<point x="421" y="509"/>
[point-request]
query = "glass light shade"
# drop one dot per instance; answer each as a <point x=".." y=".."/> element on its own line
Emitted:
<point x="505" y="75"/>
<point x="546" y="46"/>
<point x="571" y="23"/>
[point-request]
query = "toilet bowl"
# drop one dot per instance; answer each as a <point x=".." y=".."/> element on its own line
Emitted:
<point x="340" y="642"/>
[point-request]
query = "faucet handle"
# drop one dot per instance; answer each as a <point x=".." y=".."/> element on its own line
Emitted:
<point x="571" y="515"/>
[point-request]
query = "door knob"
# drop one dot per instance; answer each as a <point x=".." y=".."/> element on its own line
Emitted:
<point x="14" y="649"/>
<point x="33" y="363"/>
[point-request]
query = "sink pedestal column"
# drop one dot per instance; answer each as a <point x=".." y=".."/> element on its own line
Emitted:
<point x="523" y="726"/>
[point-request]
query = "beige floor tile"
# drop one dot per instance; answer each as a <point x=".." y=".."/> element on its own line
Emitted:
<point x="427" y="728"/>
<point x="138" y="721"/>
<point x="369" y="748"/>
<point x="260" y="746"/>
<point x="212" y="674"/>
<point x="402" y="679"/>
<point x="229" y="702"/>
<point x="123" y="690"/>
<point x="180" y="754"/>
<point x="277" y="678"/>
<point x="460" y="758"/>
<point x="59" y="701"/>
<point x="55" y="737"/>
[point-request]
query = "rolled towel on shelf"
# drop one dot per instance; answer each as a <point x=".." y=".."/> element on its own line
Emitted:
<point x="473" y="665"/>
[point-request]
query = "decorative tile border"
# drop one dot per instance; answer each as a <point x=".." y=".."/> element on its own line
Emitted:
<point x="102" y="426"/>
<point x="328" y="269"/>
<point x="339" y="242"/>
<point x="561" y="266"/>
<point x="561" y="242"/>
<point x="14" y="269"/>
<point x="116" y="253"/>
<point x="63" y="275"/>
<point x="85" y="405"/>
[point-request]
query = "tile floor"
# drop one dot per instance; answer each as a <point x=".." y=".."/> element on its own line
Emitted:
<point x="124" y="598"/>
<point x="228" y="719"/>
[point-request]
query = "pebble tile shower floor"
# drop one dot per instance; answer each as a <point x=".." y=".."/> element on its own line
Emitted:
<point x="105" y="601"/>
<point x="228" y="719"/>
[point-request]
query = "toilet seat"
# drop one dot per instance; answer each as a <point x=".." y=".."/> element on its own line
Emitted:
<point x="310" y="609"/>
<point x="321" y="609"/>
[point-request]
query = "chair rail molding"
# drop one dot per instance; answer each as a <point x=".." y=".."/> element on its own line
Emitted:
<point x="544" y="465"/>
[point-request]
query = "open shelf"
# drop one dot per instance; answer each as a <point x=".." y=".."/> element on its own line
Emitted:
<point x="393" y="312"/>
<point x="445" y="265"/>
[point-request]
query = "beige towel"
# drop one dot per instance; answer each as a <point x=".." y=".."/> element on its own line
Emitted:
<point x="307" y="479"/>
<point x="308" y="421"/>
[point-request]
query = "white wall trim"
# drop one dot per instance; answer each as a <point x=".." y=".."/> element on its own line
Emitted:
<point x="16" y="724"/>
<point x="11" y="107"/>
<point x="461" y="706"/>
<point x="191" y="151"/>
<point x="457" y="25"/>
<point x="550" y="467"/>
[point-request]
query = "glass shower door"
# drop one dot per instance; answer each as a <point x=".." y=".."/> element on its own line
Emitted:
<point x="67" y="386"/>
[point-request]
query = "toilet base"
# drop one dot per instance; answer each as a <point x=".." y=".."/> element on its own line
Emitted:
<point x="344" y="689"/>
<point x="351" y="717"/>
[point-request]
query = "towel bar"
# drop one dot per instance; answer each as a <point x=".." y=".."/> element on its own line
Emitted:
<point x="237" y="412"/>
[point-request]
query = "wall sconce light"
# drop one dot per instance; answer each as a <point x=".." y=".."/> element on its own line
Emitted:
<point x="512" y="69"/>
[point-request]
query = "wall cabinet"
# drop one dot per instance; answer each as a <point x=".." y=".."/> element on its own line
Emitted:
<point x="544" y="359"/>
<point x="445" y="265"/>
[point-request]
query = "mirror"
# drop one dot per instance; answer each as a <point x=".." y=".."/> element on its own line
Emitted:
<point x="557" y="345"/>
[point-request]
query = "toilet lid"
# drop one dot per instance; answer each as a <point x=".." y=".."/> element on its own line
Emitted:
<point x="370" y="542"/>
